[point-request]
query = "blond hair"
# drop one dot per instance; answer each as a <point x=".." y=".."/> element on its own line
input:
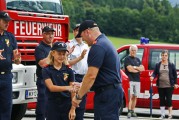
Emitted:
<point x="51" y="59"/>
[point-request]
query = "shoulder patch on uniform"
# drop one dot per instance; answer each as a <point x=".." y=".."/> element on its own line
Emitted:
<point x="7" y="42"/>
<point x="65" y="76"/>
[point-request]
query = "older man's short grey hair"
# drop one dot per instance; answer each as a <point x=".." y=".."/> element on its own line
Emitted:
<point x="133" y="46"/>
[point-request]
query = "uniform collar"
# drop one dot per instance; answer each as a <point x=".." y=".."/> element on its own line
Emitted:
<point x="43" y="43"/>
<point x="101" y="35"/>
<point x="4" y="33"/>
<point x="61" y="69"/>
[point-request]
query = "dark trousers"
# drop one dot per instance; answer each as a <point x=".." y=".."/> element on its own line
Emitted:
<point x="58" y="108"/>
<point x="107" y="103"/>
<point x="165" y="96"/>
<point x="41" y="100"/>
<point x="80" y="110"/>
<point x="5" y="96"/>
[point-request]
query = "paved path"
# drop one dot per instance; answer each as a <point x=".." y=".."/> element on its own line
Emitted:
<point x="143" y="113"/>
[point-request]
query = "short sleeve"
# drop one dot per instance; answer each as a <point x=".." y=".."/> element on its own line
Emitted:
<point x="14" y="42"/>
<point x="127" y="62"/>
<point x="96" y="56"/>
<point x="71" y="77"/>
<point x="45" y="74"/>
<point x="139" y="61"/>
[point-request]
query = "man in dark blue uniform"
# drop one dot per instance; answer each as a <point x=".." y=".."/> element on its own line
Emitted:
<point x="8" y="51"/>
<point x="103" y="73"/>
<point x="41" y="53"/>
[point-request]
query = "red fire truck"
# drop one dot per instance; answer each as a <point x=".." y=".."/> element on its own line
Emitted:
<point x="29" y="17"/>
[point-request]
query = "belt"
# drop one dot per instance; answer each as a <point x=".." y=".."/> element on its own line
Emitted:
<point x="107" y="87"/>
<point x="4" y="72"/>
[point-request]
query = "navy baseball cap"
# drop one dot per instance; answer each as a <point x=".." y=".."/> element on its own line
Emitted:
<point x="85" y="25"/>
<point x="76" y="26"/>
<point x="5" y="16"/>
<point x="47" y="29"/>
<point x="59" y="46"/>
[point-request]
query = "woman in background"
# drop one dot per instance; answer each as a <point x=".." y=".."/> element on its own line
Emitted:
<point x="166" y="74"/>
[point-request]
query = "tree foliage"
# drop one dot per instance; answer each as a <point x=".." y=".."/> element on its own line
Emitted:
<point x="155" y="19"/>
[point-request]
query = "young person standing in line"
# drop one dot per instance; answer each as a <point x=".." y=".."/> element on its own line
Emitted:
<point x="59" y="80"/>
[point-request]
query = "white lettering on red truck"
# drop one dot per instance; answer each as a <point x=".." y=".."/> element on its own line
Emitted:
<point x="23" y="28"/>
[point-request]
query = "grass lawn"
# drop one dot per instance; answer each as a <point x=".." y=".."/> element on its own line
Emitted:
<point x="118" y="42"/>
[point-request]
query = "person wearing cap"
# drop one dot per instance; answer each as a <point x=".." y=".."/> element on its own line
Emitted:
<point x="8" y="51"/>
<point x="41" y="53"/>
<point x="103" y="73"/>
<point x="59" y="80"/>
<point x="78" y="61"/>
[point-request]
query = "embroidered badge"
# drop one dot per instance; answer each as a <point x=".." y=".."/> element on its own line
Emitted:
<point x="7" y="42"/>
<point x="65" y="76"/>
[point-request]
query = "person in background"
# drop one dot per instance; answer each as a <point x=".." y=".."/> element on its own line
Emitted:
<point x="78" y="61"/>
<point x="103" y="73"/>
<point x="41" y="53"/>
<point x="8" y="51"/>
<point x="166" y="74"/>
<point x="133" y="67"/>
<point x="59" y="80"/>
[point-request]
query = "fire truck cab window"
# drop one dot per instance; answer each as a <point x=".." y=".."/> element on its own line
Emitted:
<point x="39" y="6"/>
<point x="155" y="57"/>
<point x="174" y="58"/>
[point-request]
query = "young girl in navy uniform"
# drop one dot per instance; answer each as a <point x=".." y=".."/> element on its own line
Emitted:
<point x="59" y="80"/>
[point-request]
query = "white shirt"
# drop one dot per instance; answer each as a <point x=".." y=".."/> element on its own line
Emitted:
<point x="80" y="67"/>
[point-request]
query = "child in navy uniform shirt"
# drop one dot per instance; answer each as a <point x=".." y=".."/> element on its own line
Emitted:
<point x="59" y="80"/>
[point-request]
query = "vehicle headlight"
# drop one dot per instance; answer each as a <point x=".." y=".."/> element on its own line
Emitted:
<point x="15" y="77"/>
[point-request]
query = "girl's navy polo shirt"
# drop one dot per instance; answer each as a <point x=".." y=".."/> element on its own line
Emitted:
<point x="60" y="77"/>
<point x="8" y="43"/>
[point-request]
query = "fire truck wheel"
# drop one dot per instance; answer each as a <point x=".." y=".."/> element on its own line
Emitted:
<point x="121" y="108"/>
<point x="18" y="111"/>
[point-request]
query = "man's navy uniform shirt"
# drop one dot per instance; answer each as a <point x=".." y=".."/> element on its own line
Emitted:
<point x="134" y="61"/>
<point x="8" y="43"/>
<point x="104" y="56"/>
<point x="60" y="77"/>
<point x="41" y="52"/>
